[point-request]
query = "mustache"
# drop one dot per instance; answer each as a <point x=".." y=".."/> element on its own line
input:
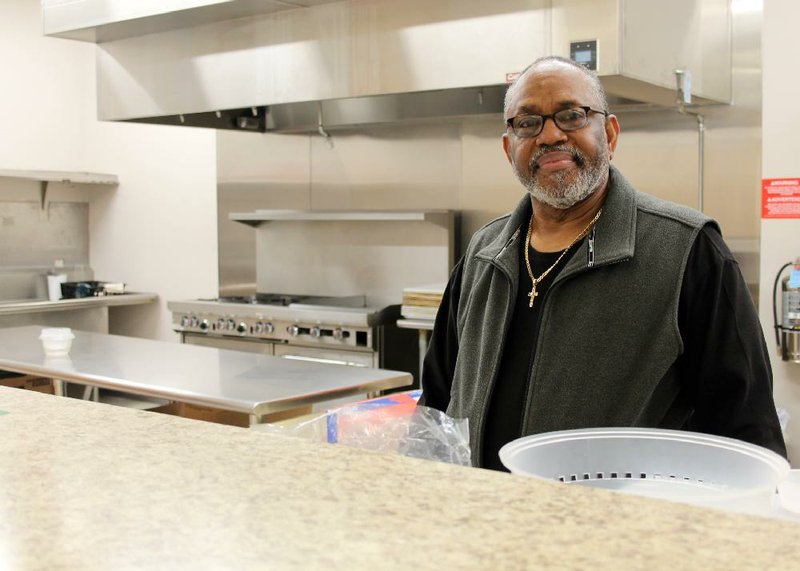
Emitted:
<point x="577" y="156"/>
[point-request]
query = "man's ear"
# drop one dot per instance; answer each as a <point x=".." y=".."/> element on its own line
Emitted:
<point x="612" y="134"/>
<point x="506" y="148"/>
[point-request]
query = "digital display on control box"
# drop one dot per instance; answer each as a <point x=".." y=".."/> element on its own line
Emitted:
<point x="584" y="53"/>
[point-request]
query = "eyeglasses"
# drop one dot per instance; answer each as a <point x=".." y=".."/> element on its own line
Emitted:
<point x="529" y="125"/>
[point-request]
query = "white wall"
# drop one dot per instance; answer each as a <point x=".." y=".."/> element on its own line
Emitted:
<point x="157" y="230"/>
<point x="780" y="239"/>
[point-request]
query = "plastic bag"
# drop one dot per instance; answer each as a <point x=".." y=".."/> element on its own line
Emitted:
<point x="416" y="431"/>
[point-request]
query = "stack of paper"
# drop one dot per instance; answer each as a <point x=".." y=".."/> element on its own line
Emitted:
<point x="422" y="302"/>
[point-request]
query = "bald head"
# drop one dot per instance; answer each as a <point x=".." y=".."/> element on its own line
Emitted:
<point x="557" y="62"/>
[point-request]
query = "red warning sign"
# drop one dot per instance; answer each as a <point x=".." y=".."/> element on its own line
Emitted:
<point x="780" y="198"/>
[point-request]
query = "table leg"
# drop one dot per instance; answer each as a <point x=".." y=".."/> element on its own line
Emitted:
<point x="91" y="393"/>
<point x="59" y="387"/>
<point x="423" y="348"/>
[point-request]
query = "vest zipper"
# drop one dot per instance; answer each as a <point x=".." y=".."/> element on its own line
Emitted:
<point x="506" y="245"/>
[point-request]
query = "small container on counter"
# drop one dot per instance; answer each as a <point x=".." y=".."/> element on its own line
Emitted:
<point x="56" y="341"/>
<point x="54" y="286"/>
<point x="73" y="290"/>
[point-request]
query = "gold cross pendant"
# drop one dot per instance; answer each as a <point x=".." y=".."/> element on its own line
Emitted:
<point x="532" y="295"/>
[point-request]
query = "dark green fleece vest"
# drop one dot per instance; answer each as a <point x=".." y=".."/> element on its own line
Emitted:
<point x="608" y="338"/>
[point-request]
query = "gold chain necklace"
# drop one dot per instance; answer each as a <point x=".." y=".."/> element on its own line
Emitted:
<point x="535" y="280"/>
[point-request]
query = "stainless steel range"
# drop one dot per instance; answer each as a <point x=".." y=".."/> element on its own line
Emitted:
<point x="313" y="328"/>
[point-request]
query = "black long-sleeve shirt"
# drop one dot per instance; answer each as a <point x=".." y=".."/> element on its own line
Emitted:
<point x="724" y="366"/>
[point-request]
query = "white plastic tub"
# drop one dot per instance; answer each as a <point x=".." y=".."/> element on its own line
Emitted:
<point x="668" y="464"/>
<point x="56" y="341"/>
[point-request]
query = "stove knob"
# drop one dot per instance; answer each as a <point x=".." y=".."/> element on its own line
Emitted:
<point x="220" y="324"/>
<point x="185" y="321"/>
<point x="231" y="325"/>
<point x="338" y="334"/>
<point x="242" y="327"/>
<point x="293" y="330"/>
<point x="204" y="324"/>
<point x="316" y="332"/>
<point x="194" y="321"/>
<point x="258" y="328"/>
<point x="269" y="328"/>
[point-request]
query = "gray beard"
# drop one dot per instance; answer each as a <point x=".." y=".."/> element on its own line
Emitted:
<point x="567" y="191"/>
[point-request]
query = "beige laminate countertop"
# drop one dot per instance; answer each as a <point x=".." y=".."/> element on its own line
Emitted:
<point x="90" y="486"/>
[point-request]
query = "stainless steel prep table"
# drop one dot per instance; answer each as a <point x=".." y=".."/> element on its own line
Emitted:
<point x="230" y="380"/>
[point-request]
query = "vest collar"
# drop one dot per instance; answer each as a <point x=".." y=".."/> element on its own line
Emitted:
<point x="615" y="234"/>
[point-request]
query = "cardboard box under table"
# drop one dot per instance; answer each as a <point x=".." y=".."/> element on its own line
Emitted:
<point x="26" y="382"/>
<point x="210" y="414"/>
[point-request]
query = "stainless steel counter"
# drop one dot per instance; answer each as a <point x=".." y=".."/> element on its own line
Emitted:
<point x="420" y="324"/>
<point x="230" y="380"/>
<point x="45" y="306"/>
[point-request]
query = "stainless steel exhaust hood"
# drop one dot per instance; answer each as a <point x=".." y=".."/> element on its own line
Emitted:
<point x="107" y="20"/>
<point x="315" y="65"/>
<point x="354" y="112"/>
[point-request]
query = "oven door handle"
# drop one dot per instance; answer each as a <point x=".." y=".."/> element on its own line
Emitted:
<point x="321" y="360"/>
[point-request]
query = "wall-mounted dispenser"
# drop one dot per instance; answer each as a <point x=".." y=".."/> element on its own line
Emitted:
<point x="787" y="333"/>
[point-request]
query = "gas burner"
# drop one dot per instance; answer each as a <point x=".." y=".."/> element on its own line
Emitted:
<point x="262" y="298"/>
<point x="285" y="300"/>
<point x="277" y="298"/>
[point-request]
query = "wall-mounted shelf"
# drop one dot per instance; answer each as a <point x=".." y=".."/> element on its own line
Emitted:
<point x="44" y="178"/>
<point x="67" y="177"/>
<point x="440" y="217"/>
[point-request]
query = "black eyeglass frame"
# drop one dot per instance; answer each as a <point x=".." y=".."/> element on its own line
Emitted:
<point x="586" y="109"/>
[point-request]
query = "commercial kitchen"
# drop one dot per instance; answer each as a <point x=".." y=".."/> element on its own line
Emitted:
<point x="245" y="213"/>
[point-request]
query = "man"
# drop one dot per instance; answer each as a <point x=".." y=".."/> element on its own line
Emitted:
<point x="592" y="304"/>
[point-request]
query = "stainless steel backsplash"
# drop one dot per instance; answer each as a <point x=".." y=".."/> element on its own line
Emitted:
<point x="32" y="239"/>
<point x="459" y="165"/>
